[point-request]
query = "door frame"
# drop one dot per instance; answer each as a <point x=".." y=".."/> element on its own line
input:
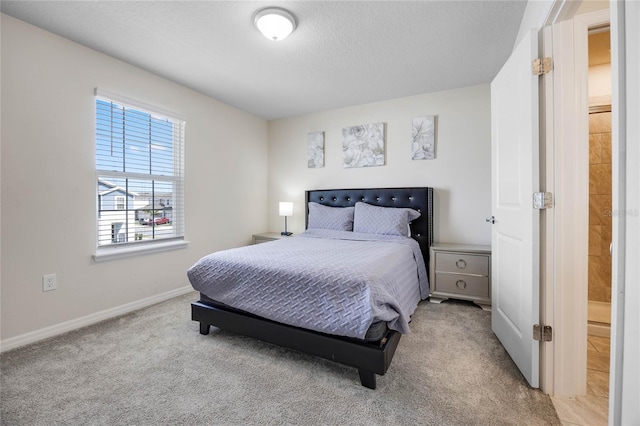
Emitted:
<point x="625" y="323"/>
<point x="565" y="226"/>
<point x="547" y="223"/>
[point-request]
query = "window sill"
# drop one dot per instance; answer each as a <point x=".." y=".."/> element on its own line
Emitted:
<point x="103" y="254"/>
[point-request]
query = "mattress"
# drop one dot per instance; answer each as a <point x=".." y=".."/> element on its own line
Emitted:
<point x="334" y="282"/>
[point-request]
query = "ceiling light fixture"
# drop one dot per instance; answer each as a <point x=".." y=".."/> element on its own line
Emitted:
<point x="275" y="23"/>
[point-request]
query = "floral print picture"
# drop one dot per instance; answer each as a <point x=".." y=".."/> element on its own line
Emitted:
<point x="315" y="149"/>
<point x="363" y="146"/>
<point x="423" y="138"/>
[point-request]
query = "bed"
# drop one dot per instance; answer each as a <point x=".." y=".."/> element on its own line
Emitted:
<point x="355" y="324"/>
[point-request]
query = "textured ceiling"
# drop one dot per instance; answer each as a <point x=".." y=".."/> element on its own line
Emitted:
<point x="342" y="53"/>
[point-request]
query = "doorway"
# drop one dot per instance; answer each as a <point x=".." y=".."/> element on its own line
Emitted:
<point x="600" y="212"/>
<point x="567" y="254"/>
<point x="567" y="307"/>
<point x="581" y="369"/>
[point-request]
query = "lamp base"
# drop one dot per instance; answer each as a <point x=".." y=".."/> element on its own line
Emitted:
<point x="286" y="234"/>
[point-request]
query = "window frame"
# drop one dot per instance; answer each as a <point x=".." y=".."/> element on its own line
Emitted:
<point x="114" y="250"/>
<point x="120" y="200"/>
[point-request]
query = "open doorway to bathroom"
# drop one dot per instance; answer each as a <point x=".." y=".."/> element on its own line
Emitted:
<point x="600" y="213"/>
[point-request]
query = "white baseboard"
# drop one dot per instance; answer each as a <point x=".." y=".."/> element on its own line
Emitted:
<point x="54" y="330"/>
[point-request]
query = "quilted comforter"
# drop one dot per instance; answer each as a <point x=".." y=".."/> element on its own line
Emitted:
<point x="334" y="282"/>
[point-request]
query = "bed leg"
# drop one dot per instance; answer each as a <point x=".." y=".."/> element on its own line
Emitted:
<point x="367" y="378"/>
<point x="204" y="328"/>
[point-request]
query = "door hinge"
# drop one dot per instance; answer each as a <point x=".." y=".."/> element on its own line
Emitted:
<point x="542" y="333"/>
<point x="542" y="200"/>
<point x="541" y="66"/>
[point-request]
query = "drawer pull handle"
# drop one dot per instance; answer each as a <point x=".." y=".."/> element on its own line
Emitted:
<point x="461" y="264"/>
<point x="461" y="284"/>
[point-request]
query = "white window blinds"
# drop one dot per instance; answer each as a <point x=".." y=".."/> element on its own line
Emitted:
<point x="140" y="173"/>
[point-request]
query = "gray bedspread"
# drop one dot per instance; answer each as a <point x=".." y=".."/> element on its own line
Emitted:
<point x="334" y="282"/>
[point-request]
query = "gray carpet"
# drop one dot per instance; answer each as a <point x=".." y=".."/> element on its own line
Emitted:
<point x="152" y="367"/>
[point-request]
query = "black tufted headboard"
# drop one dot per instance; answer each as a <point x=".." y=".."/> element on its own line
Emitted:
<point x="420" y="199"/>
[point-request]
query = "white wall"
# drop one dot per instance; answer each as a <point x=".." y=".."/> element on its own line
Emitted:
<point x="542" y="12"/>
<point x="48" y="181"/>
<point x="592" y="5"/>
<point x="600" y="81"/>
<point x="460" y="174"/>
<point x="534" y="17"/>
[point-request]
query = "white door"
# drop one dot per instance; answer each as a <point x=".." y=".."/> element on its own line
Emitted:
<point x="515" y="233"/>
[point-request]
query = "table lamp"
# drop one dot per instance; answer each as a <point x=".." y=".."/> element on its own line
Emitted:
<point x="286" y="209"/>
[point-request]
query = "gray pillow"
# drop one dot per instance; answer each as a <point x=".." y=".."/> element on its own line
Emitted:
<point x="383" y="220"/>
<point x="325" y="217"/>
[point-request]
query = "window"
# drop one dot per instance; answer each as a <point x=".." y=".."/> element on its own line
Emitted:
<point x="120" y="202"/>
<point x="139" y="168"/>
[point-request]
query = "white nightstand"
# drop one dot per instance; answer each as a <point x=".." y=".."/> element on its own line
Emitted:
<point x="461" y="271"/>
<point x="266" y="237"/>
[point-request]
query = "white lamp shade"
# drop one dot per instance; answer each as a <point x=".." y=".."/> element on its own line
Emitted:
<point x="275" y="23"/>
<point x="286" y="208"/>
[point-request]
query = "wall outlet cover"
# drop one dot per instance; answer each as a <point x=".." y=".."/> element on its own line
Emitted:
<point x="49" y="282"/>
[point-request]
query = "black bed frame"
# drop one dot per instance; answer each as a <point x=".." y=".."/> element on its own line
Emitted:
<point x="370" y="358"/>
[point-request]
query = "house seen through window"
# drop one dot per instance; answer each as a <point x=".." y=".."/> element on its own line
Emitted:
<point x="139" y="167"/>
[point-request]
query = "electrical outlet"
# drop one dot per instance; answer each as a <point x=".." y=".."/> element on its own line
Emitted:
<point x="49" y="282"/>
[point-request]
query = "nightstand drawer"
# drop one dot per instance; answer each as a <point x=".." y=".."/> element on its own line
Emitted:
<point x="462" y="263"/>
<point x="468" y="285"/>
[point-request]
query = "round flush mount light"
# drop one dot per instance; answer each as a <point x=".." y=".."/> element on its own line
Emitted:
<point x="275" y="23"/>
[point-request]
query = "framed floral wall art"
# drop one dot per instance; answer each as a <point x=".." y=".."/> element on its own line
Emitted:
<point x="363" y="146"/>
<point x="315" y="150"/>
<point x="423" y="140"/>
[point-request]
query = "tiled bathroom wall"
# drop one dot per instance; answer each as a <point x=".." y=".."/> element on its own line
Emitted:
<point x="600" y="212"/>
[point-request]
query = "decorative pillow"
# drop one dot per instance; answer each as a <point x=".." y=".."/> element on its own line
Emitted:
<point x="383" y="220"/>
<point x="325" y="217"/>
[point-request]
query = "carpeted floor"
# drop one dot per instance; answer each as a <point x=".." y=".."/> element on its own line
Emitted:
<point x="152" y="367"/>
